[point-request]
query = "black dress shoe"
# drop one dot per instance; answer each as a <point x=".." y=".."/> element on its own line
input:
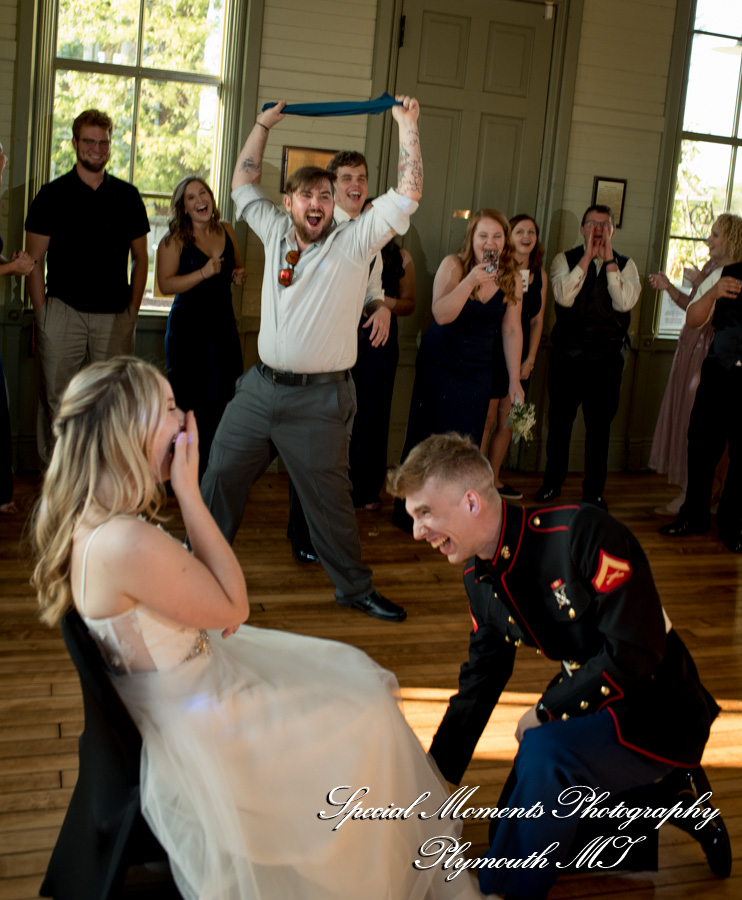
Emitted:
<point x="713" y="836"/>
<point x="682" y="527"/>
<point x="508" y="492"/>
<point x="545" y="494"/>
<point x="598" y="501"/>
<point x="733" y="542"/>
<point x="377" y="606"/>
<point x="305" y="555"/>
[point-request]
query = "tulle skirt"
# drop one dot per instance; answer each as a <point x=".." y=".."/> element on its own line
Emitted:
<point x="669" y="454"/>
<point x="241" y="750"/>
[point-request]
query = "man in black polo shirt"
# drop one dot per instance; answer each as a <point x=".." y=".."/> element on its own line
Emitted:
<point x="86" y="223"/>
<point x="595" y="289"/>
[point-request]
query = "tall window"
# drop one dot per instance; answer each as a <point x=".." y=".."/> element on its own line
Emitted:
<point x="709" y="174"/>
<point x="156" y="67"/>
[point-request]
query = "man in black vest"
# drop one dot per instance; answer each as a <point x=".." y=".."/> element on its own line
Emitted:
<point x="595" y="289"/>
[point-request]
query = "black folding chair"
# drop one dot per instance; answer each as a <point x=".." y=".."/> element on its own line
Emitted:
<point x="103" y="832"/>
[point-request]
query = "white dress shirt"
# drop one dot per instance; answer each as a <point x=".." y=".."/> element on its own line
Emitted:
<point x="374" y="290"/>
<point x="624" y="286"/>
<point x="311" y="325"/>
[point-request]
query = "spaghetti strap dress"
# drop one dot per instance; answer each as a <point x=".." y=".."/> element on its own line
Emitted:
<point x="256" y="750"/>
<point x="202" y="344"/>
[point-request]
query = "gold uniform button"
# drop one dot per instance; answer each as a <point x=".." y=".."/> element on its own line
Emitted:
<point x="537" y="521"/>
<point x="511" y="620"/>
<point x="564" y="717"/>
<point x="519" y="643"/>
<point x="508" y="639"/>
<point x="572" y="613"/>
<point x="538" y="653"/>
<point x="584" y="704"/>
<point x="605" y="690"/>
<point x="505" y="552"/>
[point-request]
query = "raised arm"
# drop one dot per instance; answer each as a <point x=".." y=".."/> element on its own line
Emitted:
<point x="701" y="309"/>
<point x="410" y="170"/>
<point x="660" y="282"/>
<point x="249" y="163"/>
<point x="451" y="288"/>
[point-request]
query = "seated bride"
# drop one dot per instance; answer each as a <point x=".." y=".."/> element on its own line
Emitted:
<point x="256" y="743"/>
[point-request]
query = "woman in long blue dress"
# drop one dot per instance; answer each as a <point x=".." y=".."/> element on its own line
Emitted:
<point x="454" y="368"/>
<point x="199" y="261"/>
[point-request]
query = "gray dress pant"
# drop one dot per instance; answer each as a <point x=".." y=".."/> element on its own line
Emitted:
<point x="310" y="428"/>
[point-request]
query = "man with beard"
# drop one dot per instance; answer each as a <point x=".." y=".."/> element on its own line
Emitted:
<point x="86" y="223"/>
<point x="299" y="400"/>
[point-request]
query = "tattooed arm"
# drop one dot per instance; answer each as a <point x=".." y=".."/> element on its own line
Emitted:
<point x="410" y="172"/>
<point x="249" y="163"/>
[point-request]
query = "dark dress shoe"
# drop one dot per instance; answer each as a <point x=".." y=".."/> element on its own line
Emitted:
<point x="733" y="542"/>
<point x="713" y="836"/>
<point x="681" y="527"/>
<point x="508" y="492"/>
<point x="545" y="494"/>
<point x="377" y="606"/>
<point x="598" y="501"/>
<point x="305" y="555"/>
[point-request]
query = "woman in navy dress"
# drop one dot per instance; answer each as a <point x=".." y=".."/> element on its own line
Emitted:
<point x="20" y="263"/>
<point x="529" y="255"/>
<point x="454" y="368"/>
<point x="199" y="261"/>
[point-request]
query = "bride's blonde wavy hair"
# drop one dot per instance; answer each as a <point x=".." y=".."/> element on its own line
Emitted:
<point x="107" y="421"/>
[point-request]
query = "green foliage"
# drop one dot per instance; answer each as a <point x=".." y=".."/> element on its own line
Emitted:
<point x="176" y="120"/>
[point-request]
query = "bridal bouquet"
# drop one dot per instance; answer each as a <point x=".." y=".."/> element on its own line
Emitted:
<point x="522" y="418"/>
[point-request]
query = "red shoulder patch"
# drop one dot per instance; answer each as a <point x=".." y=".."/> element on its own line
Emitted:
<point x="611" y="573"/>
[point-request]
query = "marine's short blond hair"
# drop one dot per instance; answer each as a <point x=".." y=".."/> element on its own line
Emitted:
<point x="451" y="459"/>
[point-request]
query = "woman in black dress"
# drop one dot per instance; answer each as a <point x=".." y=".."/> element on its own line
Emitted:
<point x="199" y="261"/>
<point x="529" y="254"/>
<point x="20" y="263"/>
<point x="472" y="301"/>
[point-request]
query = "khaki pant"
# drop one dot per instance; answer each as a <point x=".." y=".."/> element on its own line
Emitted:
<point x="65" y="340"/>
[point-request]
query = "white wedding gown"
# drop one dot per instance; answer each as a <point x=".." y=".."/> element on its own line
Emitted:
<point x="244" y="739"/>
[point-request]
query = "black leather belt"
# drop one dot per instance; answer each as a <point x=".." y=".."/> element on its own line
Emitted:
<point x="294" y="379"/>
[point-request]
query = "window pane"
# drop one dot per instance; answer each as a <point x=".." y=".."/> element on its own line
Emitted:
<point x="78" y="91"/>
<point x="684" y="254"/>
<point x="712" y="86"/>
<point x="721" y="16"/>
<point x="175" y="135"/>
<point x="701" y="187"/>
<point x="736" y="204"/>
<point x="94" y="31"/>
<point x="157" y="210"/>
<point x="183" y="35"/>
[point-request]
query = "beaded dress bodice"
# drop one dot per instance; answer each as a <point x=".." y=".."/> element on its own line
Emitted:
<point x="141" y="640"/>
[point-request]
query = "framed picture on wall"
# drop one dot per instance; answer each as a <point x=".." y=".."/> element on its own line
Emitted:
<point x="610" y="192"/>
<point x="296" y="157"/>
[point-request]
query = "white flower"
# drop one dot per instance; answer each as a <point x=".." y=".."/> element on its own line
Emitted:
<point x="522" y="418"/>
